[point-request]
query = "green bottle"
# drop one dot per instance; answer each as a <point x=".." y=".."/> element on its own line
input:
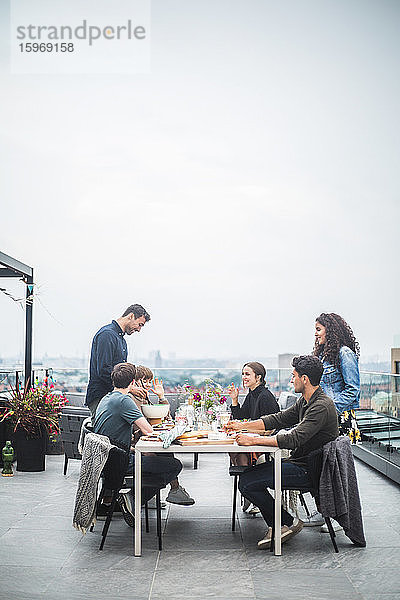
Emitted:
<point x="8" y="457"/>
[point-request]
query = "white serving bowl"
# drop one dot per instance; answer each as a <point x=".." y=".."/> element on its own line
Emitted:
<point x="155" y="411"/>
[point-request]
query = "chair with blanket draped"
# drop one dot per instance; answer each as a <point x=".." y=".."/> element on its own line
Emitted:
<point x="335" y="489"/>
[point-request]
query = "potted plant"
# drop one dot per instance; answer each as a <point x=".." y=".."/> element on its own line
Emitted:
<point x="33" y="414"/>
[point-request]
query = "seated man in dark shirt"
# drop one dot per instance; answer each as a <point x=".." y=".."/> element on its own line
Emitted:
<point x="313" y="419"/>
<point x="115" y="416"/>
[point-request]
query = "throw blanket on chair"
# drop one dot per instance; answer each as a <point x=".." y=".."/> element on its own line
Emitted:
<point x="338" y="489"/>
<point x="94" y="457"/>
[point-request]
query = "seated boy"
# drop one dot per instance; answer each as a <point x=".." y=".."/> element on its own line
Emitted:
<point x="115" y="416"/>
<point x="144" y="378"/>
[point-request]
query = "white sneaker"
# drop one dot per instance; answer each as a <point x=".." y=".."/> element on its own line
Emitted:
<point x="266" y="541"/>
<point x="314" y="520"/>
<point x="286" y="533"/>
<point x="179" y="496"/>
<point x="335" y="526"/>
<point x="254" y="510"/>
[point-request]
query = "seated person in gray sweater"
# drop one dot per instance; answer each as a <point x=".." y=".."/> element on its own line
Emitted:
<point x="115" y="416"/>
<point x="314" y="423"/>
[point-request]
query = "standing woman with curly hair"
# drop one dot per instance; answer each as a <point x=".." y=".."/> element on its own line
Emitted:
<point x="339" y="352"/>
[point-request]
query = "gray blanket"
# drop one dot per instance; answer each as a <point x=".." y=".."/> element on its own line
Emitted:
<point x="338" y="489"/>
<point x="95" y="453"/>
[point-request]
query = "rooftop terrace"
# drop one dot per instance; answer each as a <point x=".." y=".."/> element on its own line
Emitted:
<point x="42" y="556"/>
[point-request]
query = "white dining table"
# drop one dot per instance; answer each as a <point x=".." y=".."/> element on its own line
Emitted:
<point x="151" y="446"/>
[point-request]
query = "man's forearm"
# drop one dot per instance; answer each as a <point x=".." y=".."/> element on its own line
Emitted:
<point x="268" y="441"/>
<point x="257" y="425"/>
<point x="144" y="426"/>
<point x="244" y="439"/>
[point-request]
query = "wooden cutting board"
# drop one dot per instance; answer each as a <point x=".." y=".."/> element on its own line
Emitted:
<point x="193" y="434"/>
<point x="204" y="442"/>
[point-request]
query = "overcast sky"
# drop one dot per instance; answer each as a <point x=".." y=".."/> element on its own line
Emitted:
<point x="249" y="182"/>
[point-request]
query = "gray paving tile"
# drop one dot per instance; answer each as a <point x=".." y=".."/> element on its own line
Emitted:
<point x="54" y="594"/>
<point x="382" y="536"/>
<point x="382" y="580"/>
<point x="17" y="581"/>
<point x="311" y="584"/>
<point x="36" y="548"/>
<point x="194" y="526"/>
<point x="201" y="512"/>
<point x="50" y="522"/>
<point x="18" y="595"/>
<point x="115" y="555"/>
<point x="202" y="584"/>
<point x="315" y="555"/>
<point x="63" y="508"/>
<point x="375" y="596"/>
<point x="367" y="559"/>
<point x="204" y="560"/>
<point x="203" y="539"/>
<point x="94" y="583"/>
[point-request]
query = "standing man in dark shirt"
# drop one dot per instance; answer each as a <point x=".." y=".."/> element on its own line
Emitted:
<point x="314" y="423"/>
<point x="109" y="348"/>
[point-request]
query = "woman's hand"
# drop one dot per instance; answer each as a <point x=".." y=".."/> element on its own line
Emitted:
<point x="234" y="394"/>
<point x="158" y="388"/>
<point x="233" y="426"/>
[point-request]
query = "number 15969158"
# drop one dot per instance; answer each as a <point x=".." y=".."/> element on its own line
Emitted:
<point x="46" y="47"/>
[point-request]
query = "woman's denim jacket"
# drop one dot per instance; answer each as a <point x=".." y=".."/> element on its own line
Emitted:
<point x="342" y="383"/>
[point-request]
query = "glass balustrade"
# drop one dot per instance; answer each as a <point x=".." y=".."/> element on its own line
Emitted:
<point x="378" y="415"/>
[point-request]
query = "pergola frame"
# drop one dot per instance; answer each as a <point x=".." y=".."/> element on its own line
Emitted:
<point x="10" y="267"/>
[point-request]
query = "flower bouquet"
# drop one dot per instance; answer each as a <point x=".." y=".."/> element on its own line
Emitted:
<point x="211" y="396"/>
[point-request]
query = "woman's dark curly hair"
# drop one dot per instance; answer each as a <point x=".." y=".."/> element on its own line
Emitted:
<point x="338" y="334"/>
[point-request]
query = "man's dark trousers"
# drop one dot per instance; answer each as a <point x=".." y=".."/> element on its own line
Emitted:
<point x="254" y="482"/>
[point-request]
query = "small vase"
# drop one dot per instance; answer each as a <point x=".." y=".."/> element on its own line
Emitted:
<point x="30" y="451"/>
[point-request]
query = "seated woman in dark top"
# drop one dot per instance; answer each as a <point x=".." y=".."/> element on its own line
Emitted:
<point x="258" y="402"/>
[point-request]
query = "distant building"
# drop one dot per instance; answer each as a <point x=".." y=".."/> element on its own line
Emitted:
<point x="158" y="360"/>
<point x="395" y="369"/>
<point x="395" y="361"/>
<point x="285" y="360"/>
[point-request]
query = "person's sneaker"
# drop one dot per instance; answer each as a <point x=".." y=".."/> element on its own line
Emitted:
<point x="314" y="520"/>
<point x="291" y="531"/>
<point x="179" y="496"/>
<point x="335" y="526"/>
<point x="125" y="500"/>
<point x="153" y="504"/>
<point x="286" y="533"/>
<point x="246" y="504"/>
<point x="266" y="541"/>
<point x="254" y="510"/>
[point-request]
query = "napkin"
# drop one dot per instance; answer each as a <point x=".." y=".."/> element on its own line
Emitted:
<point x="167" y="437"/>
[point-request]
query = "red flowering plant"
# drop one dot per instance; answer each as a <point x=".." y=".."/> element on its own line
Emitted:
<point x="34" y="410"/>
